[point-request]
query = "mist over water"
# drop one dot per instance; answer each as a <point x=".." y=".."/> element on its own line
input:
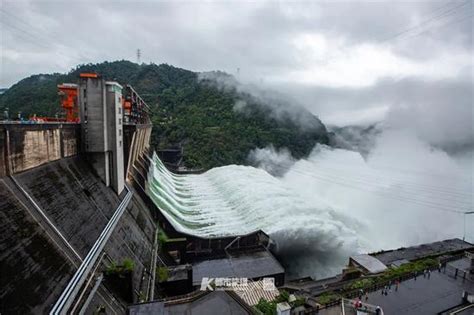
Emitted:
<point x="324" y="208"/>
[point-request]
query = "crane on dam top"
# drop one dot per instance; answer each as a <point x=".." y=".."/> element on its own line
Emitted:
<point x="68" y="94"/>
<point x="135" y="109"/>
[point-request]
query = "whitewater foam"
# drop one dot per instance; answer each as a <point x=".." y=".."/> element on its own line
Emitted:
<point x="324" y="209"/>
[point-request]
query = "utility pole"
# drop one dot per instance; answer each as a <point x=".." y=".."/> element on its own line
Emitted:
<point x="464" y="233"/>
<point x="139" y="54"/>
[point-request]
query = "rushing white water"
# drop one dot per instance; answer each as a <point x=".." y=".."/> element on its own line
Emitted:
<point x="325" y="207"/>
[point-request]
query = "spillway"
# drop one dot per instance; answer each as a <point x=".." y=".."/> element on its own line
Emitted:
<point x="235" y="200"/>
<point x="325" y="208"/>
<point x="231" y="200"/>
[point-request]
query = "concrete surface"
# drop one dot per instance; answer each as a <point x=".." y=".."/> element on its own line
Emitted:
<point x="423" y="296"/>
<point x="35" y="267"/>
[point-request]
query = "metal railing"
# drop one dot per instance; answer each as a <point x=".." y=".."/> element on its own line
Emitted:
<point x="69" y="294"/>
<point x="354" y="305"/>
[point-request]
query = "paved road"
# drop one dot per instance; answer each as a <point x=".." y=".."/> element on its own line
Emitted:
<point x="419" y="297"/>
<point x="422" y="296"/>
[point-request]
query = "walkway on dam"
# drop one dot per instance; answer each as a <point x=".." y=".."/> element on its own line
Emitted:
<point x="423" y="296"/>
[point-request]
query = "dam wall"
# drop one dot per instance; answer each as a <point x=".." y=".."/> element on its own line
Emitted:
<point x="25" y="146"/>
<point x="33" y="270"/>
<point x="36" y="267"/>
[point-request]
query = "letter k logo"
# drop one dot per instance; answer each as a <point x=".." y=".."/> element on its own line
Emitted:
<point x="206" y="284"/>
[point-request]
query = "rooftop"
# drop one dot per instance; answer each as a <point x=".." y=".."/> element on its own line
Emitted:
<point x="371" y="264"/>
<point x="250" y="265"/>
<point x="212" y="303"/>
<point x="180" y="272"/>
<point x="254" y="291"/>
<point x="283" y="306"/>
<point x="422" y="251"/>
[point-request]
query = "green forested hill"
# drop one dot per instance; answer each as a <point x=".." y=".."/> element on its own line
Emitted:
<point x="197" y="114"/>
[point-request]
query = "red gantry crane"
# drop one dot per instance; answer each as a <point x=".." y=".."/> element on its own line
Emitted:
<point x="68" y="93"/>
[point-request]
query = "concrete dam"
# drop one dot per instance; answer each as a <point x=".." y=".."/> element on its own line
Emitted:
<point x="81" y="215"/>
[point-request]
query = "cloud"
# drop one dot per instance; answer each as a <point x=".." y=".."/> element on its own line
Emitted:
<point x="282" y="107"/>
<point x="349" y="63"/>
<point x="340" y="43"/>
<point x="440" y="112"/>
<point x="275" y="162"/>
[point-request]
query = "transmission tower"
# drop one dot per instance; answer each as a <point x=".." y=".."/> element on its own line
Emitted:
<point x="139" y="54"/>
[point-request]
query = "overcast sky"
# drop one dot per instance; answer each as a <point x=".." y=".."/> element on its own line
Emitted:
<point x="347" y="61"/>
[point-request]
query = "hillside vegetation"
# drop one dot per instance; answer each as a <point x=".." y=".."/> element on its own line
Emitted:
<point x="197" y="114"/>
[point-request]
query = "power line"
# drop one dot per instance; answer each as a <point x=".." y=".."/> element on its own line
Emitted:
<point x="437" y="17"/>
<point x="37" y="35"/>
<point x="407" y="197"/>
<point x="441" y="189"/>
<point x="446" y="24"/>
<point x="33" y="39"/>
<point x="434" y="18"/>
<point x="382" y="194"/>
<point x="406" y="189"/>
<point x="437" y="177"/>
<point x="21" y="35"/>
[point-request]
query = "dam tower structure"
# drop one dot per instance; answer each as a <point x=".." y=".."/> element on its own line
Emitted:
<point x="100" y="104"/>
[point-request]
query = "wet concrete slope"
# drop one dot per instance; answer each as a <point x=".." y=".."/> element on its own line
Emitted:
<point x="73" y="198"/>
<point x="133" y="238"/>
<point x="34" y="267"/>
<point x="33" y="270"/>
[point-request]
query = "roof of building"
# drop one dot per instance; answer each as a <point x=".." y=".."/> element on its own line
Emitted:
<point x="249" y="265"/>
<point x="398" y="263"/>
<point x="283" y="306"/>
<point x="216" y="302"/>
<point x="147" y="308"/>
<point x="424" y="250"/>
<point x="177" y="273"/>
<point x="254" y="291"/>
<point x="371" y="264"/>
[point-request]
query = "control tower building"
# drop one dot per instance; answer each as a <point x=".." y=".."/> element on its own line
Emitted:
<point x="101" y="114"/>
